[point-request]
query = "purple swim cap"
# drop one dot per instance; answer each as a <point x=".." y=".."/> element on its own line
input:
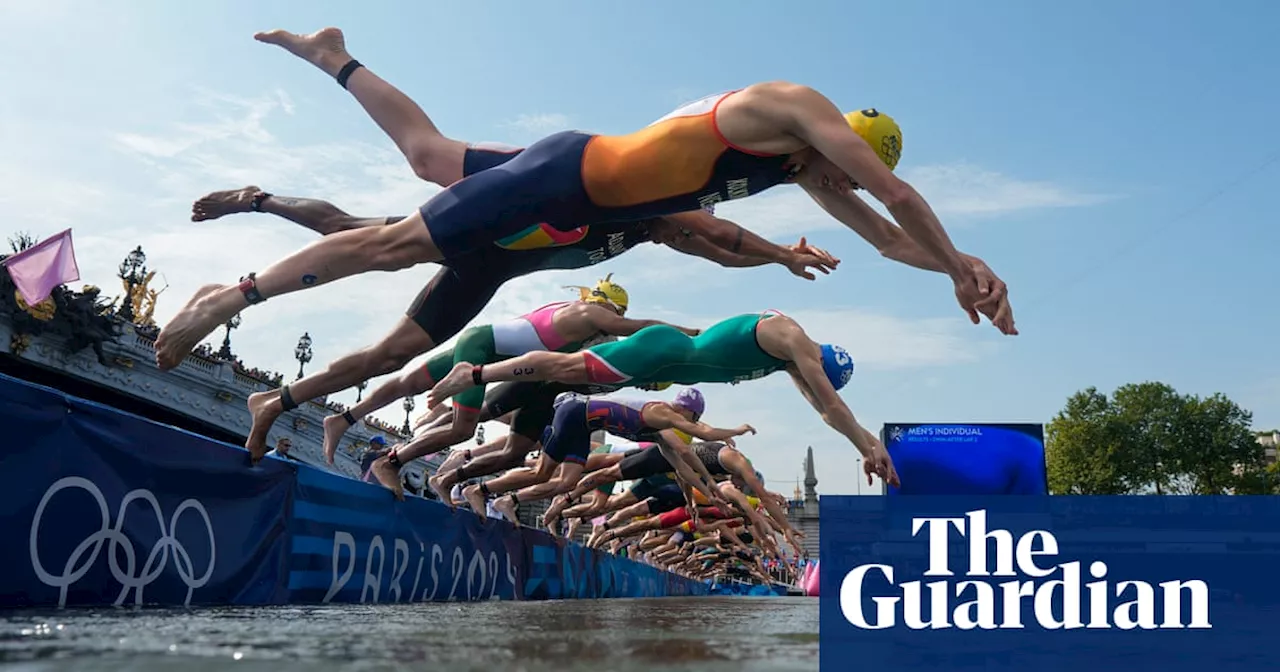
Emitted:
<point x="690" y="398"/>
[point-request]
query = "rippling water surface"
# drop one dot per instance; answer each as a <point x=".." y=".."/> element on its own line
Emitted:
<point x="703" y="634"/>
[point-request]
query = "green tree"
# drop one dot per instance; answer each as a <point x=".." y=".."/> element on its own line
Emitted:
<point x="1147" y="438"/>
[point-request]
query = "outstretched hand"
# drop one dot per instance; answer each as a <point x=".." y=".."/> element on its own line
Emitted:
<point x="805" y="257"/>
<point x="829" y="260"/>
<point x="996" y="304"/>
<point x="880" y="464"/>
<point x="982" y="292"/>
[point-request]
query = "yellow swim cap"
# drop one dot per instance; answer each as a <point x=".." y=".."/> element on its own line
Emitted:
<point x="605" y="291"/>
<point x="880" y="131"/>
<point x="683" y="437"/>
<point x="656" y="387"/>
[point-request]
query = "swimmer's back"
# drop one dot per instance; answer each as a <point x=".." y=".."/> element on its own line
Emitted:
<point x="726" y="352"/>
<point x="680" y="162"/>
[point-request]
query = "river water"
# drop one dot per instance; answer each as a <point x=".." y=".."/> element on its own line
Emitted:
<point x="704" y="634"/>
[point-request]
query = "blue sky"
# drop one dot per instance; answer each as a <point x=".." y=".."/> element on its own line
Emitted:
<point x="1071" y="146"/>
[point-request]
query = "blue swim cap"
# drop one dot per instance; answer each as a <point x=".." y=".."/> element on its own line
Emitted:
<point x="377" y="441"/>
<point x="837" y="364"/>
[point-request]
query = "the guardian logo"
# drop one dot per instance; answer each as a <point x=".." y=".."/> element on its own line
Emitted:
<point x="988" y="605"/>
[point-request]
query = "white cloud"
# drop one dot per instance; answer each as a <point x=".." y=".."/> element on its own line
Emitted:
<point x="964" y="189"/>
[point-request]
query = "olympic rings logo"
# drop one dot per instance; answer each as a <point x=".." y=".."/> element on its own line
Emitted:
<point x="130" y="577"/>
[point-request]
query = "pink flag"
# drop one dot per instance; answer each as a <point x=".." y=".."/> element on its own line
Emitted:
<point x="41" y="267"/>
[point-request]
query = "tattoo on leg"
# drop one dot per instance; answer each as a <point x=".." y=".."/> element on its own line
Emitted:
<point x="737" y="242"/>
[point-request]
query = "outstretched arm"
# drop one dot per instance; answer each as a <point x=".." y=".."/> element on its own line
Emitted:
<point x="680" y="457"/>
<point x="786" y="340"/>
<point x="894" y="243"/>
<point x="669" y="232"/>
<point x="738" y="463"/>
<point x="811" y="117"/>
<point x="665" y="417"/>
<point x="701" y="247"/>
<point x="686" y="453"/>
<point x="888" y="238"/>
<point x="837" y="415"/>
<point x="736" y="240"/>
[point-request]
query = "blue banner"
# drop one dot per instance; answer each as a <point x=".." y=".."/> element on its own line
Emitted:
<point x="1050" y="583"/>
<point x="353" y="542"/>
<point x="101" y="507"/>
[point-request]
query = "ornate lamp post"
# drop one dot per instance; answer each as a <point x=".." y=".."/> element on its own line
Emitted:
<point x="360" y="389"/>
<point x="302" y="352"/>
<point x="131" y="271"/>
<point x="225" y="351"/>
<point x="408" y="408"/>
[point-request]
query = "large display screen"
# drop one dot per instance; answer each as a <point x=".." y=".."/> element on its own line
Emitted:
<point x="975" y="459"/>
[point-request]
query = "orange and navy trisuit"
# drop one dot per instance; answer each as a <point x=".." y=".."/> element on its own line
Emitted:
<point x="572" y="179"/>
<point x="464" y="284"/>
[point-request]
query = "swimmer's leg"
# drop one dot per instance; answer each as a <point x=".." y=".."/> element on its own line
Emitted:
<point x="412" y="381"/>
<point x="455" y="295"/>
<point x="405" y="341"/>
<point x="632" y="510"/>
<point x="514" y="448"/>
<point x="457" y="457"/>
<point x="598" y="461"/>
<point x="432" y="156"/>
<point x="384" y="248"/>
<point x="512" y="480"/>
<point x="633" y="360"/>
<point x="320" y="216"/>
<point x="566" y="477"/>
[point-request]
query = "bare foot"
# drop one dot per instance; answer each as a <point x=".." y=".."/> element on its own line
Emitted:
<point x="388" y="475"/>
<point x="219" y="203"/>
<point x="326" y="48"/>
<point x="209" y="308"/>
<point x="335" y="427"/>
<point x="507" y="507"/>
<point x="475" y="499"/>
<point x="552" y="516"/>
<point x="442" y="488"/>
<point x="459" y="379"/>
<point x="264" y="410"/>
<point x="574" y="523"/>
